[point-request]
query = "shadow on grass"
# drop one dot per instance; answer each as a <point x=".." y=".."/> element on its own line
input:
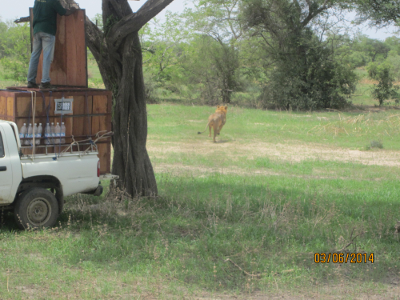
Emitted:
<point x="230" y="232"/>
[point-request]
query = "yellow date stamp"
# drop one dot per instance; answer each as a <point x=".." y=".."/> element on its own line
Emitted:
<point x="339" y="258"/>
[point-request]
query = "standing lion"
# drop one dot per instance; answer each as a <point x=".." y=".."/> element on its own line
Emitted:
<point x="216" y="121"/>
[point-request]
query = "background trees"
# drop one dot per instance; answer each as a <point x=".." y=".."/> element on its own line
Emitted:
<point x="15" y="50"/>
<point x="262" y="53"/>
<point x="304" y="72"/>
<point x="215" y="23"/>
<point x="378" y="12"/>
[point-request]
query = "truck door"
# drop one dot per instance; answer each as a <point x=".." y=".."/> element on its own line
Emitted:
<point x="5" y="171"/>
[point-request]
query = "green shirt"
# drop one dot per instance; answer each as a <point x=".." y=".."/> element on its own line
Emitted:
<point x="45" y="16"/>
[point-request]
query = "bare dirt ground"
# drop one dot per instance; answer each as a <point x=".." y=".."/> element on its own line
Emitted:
<point x="286" y="151"/>
<point x="281" y="151"/>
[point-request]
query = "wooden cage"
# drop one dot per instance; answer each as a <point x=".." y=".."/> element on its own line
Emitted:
<point x="69" y="66"/>
<point x="91" y="115"/>
<point x="91" y="108"/>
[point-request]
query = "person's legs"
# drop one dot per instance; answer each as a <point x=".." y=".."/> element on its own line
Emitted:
<point x="33" y="63"/>
<point x="48" y="42"/>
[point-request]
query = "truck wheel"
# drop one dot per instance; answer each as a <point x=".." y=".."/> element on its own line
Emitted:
<point x="36" y="208"/>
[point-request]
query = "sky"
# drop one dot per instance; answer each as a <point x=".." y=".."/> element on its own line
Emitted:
<point x="11" y="10"/>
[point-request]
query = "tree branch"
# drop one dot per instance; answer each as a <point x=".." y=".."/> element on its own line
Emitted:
<point x="133" y="22"/>
<point x="94" y="35"/>
<point x="313" y="13"/>
<point x="95" y="42"/>
<point x="22" y="20"/>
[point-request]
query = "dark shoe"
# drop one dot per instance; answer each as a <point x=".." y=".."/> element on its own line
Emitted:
<point x="32" y="85"/>
<point x="46" y="86"/>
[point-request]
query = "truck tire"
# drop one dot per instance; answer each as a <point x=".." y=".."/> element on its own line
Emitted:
<point x="36" y="208"/>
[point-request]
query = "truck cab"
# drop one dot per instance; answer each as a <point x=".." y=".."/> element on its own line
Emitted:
<point x="35" y="186"/>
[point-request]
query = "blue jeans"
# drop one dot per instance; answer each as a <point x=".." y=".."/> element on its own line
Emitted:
<point x="46" y="42"/>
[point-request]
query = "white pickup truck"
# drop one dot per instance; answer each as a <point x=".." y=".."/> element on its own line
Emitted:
<point x="35" y="186"/>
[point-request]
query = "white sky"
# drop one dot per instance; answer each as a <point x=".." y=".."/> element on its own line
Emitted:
<point x="11" y="10"/>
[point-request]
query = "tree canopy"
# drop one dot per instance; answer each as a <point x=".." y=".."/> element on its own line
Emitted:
<point x="378" y="12"/>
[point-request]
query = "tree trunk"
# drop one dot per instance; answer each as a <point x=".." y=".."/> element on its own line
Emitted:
<point x="119" y="56"/>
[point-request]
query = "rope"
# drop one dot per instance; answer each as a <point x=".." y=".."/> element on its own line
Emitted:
<point x="92" y="142"/>
<point x="44" y="112"/>
<point x="48" y="107"/>
<point x="47" y="141"/>
<point x="33" y="124"/>
<point x="87" y="113"/>
<point x="61" y="118"/>
<point x="32" y="109"/>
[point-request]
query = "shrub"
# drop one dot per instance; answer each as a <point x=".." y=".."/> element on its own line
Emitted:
<point x="385" y="89"/>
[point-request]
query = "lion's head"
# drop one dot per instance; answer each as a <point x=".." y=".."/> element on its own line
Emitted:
<point x="222" y="109"/>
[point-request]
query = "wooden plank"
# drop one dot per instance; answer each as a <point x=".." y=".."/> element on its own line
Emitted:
<point x="69" y="66"/>
<point x="3" y="107"/>
<point x="68" y="122"/>
<point x="78" y="122"/>
<point x="100" y="104"/>
<point x="99" y="123"/>
<point x="76" y="51"/>
<point x="82" y="125"/>
<point x="23" y="107"/>
<point x="10" y="107"/>
<point x="109" y="109"/>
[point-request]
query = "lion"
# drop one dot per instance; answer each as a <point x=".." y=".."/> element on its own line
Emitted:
<point x="217" y="120"/>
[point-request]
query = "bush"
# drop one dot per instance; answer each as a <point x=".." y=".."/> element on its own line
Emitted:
<point x="385" y="89"/>
<point x="17" y="52"/>
<point x="375" y="144"/>
<point x="309" y="79"/>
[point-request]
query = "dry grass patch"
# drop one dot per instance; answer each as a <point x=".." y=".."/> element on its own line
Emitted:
<point x="289" y="151"/>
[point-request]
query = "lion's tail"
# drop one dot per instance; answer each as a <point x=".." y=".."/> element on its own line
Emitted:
<point x="204" y="129"/>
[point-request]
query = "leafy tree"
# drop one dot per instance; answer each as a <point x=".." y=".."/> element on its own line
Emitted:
<point x="16" y="51"/>
<point x="163" y="48"/>
<point x="118" y="52"/>
<point x="347" y="50"/>
<point x="218" y="20"/>
<point x="304" y="73"/>
<point x="3" y="31"/>
<point x="385" y="89"/>
<point x="209" y="68"/>
<point x="393" y="43"/>
<point x="98" y="20"/>
<point x="393" y="60"/>
<point x="378" y="12"/>
<point x="373" y="48"/>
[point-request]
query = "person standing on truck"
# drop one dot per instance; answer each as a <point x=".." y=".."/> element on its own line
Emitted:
<point x="44" y="37"/>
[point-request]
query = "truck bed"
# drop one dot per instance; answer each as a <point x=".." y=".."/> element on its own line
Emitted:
<point x="75" y="171"/>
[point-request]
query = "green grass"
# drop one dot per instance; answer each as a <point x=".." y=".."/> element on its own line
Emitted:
<point x="94" y="80"/>
<point x="352" y="130"/>
<point x="242" y="217"/>
<point x="268" y="226"/>
<point x="230" y="219"/>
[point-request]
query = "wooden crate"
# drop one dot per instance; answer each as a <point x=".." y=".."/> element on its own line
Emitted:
<point x="69" y="66"/>
<point x="91" y="114"/>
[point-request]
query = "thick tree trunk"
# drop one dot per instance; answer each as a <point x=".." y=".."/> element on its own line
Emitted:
<point x="119" y="56"/>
